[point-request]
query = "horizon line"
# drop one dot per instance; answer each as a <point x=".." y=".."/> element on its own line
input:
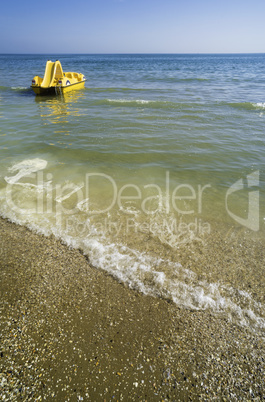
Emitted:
<point x="132" y="53"/>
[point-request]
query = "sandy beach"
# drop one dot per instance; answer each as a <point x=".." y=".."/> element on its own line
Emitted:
<point x="71" y="332"/>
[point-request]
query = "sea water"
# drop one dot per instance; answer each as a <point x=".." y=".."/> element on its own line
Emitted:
<point x="155" y="171"/>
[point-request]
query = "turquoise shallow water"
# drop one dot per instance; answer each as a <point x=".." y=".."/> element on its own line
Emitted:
<point x="157" y="154"/>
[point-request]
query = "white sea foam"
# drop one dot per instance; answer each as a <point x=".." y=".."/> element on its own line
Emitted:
<point x="259" y="105"/>
<point x="137" y="101"/>
<point x="19" y="88"/>
<point x="157" y="277"/>
<point x="139" y="270"/>
<point x="163" y="278"/>
<point x="160" y="277"/>
<point x="25" y="168"/>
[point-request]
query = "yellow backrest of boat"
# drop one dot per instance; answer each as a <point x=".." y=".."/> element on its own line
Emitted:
<point x="49" y="70"/>
<point x="38" y="80"/>
<point x="58" y="70"/>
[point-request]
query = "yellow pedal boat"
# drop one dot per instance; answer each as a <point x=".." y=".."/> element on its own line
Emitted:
<point x="55" y="81"/>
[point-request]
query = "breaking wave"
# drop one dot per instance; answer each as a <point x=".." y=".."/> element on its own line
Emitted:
<point x="248" y="105"/>
<point x="142" y="271"/>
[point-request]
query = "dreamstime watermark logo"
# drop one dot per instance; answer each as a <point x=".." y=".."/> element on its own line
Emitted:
<point x="252" y="220"/>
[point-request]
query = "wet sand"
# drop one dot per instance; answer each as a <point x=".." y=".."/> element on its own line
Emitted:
<point x="71" y="332"/>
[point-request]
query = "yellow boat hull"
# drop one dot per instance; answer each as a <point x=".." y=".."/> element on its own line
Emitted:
<point x="56" y="82"/>
<point x="57" y="90"/>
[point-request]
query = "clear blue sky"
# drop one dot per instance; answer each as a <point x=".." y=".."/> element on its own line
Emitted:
<point x="132" y="26"/>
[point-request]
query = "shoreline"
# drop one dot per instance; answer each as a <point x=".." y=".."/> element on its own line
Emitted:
<point x="69" y="330"/>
